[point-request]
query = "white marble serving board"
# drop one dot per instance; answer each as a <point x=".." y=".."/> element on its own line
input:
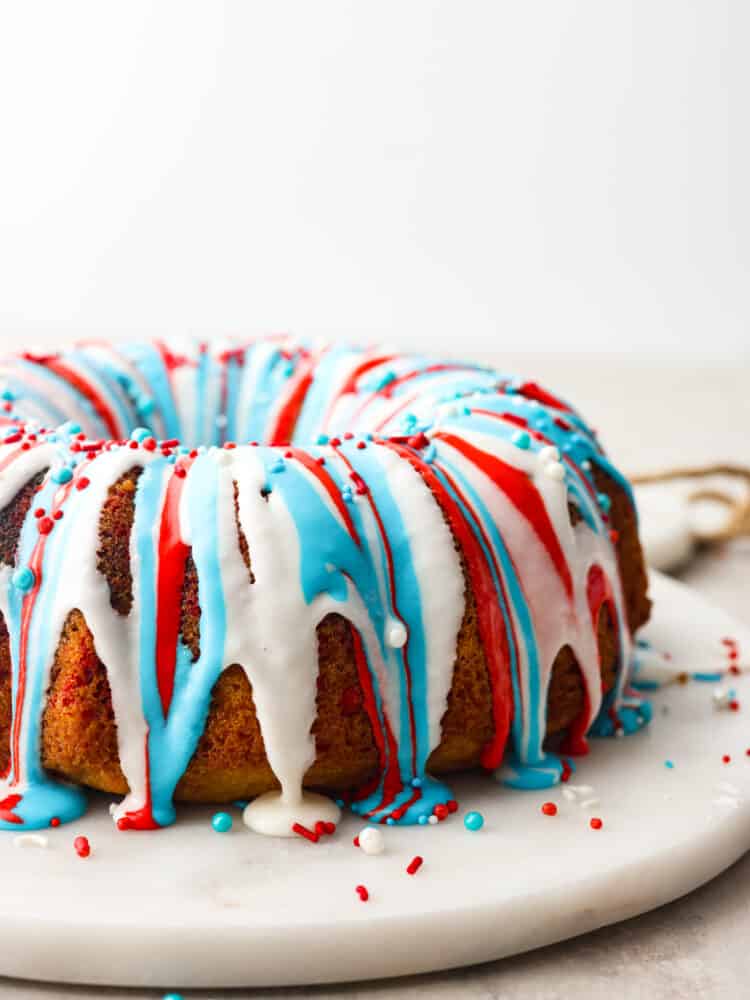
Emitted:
<point x="190" y="907"/>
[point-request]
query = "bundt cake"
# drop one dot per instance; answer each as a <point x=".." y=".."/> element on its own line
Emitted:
<point x="413" y="567"/>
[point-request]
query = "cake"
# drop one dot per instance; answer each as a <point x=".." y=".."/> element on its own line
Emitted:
<point x="288" y="572"/>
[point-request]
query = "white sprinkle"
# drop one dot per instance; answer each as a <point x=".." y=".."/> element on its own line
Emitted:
<point x="569" y="794"/>
<point x="619" y="732"/>
<point x="30" y="840"/>
<point x="589" y="803"/>
<point x="548" y="454"/>
<point x="371" y="840"/>
<point x="720" y="698"/>
<point x="555" y="470"/>
<point x="112" y="808"/>
<point x="396" y="635"/>
<point x="432" y="820"/>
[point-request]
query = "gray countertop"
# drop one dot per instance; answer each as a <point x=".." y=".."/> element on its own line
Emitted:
<point x="697" y="946"/>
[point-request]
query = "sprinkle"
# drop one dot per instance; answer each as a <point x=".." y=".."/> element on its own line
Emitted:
<point x="23" y="579"/>
<point x="371" y="841"/>
<point x="302" y="831"/>
<point x="416" y="782"/>
<point x="362" y="892"/>
<point x="396" y="635"/>
<point x="441" y="811"/>
<point x="39" y="512"/>
<point x="452" y="805"/>
<point x="173" y="996"/>
<point x="726" y="758"/>
<point x="734" y="705"/>
<point x="422" y="820"/>
<point x="521" y="440"/>
<point x="30" y="840"/>
<point x="549" y="809"/>
<point x="473" y="821"/>
<point x="45" y="525"/>
<point x="55" y="821"/>
<point x="62" y="475"/>
<point x="221" y="822"/>
<point x="669" y="764"/>
<point x="414" y="865"/>
<point x="361" y="445"/>
<point x="82" y="847"/>
<point x="595" y="823"/>
<point x="149" y="444"/>
<point x="432" y="820"/>
<point x="82" y="483"/>
<point x="604" y="502"/>
<point x="548" y="454"/>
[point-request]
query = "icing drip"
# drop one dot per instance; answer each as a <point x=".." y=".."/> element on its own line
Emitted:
<point x="381" y="472"/>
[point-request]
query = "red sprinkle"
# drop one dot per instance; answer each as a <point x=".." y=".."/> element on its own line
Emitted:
<point x="320" y="828"/>
<point x="734" y="705"/>
<point x="82" y="847"/>
<point x="55" y="821"/>
<point x="362" y="892"/>
<point x="361" y="445"/>
<point x="734" y="670"/>
<point x="595" y="823"/>
<point x="329" y="828"/>
<point x="452" y="806"/>
<point x="549" y="809"/>
<point x="441" y="811"/>
<point x="614" y="536"/>
<point x="45" y="525"/>
<point x="414" y="865"/>
<point x="180" y="472"/>
<point x="726" y="758"/>
<point x="149" y="444"/>
<point x="298" y="828"/>
<point x="57" y="516"/>
<point x="39" y="512"/>
<point x="82" y="483"/>
<point x="123" y="823"/>
<point x="356" y="839"/>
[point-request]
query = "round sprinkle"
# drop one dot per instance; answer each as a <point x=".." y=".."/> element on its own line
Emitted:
<point x="62" y="475"/>
<point x="23" y="579"/>
<point x="221" y="822"/>
<point x="441" y="811"/>
<point x="173" y="996"/>
<point x="414" y="865"/>
<point x="474" y="821"/>
<point x="521" y="440"/>
<point x="82" y="483"/>
<point x="432" y="820"/>
<point x="669" y="764"/>
<point x="397" y="635"/>
<point x="82" y="847"/>
<point x="371" y="841"/>
<point x="726" y="758"/>
<point x="55" y="821"/>
<point x="362" y="892"/>
<point x="549" y="809"/>
<point x="595" y="823"/>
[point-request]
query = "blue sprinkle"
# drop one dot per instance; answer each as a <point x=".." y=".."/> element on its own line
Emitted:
<point x="709" y="678"/>
<point x="390" y="821"/>
<point x="428" y="454"/>
<point x="385" y="380"/>
<point x="221" y="822"/>
<point x="62" y="475"/>
<point x="173" y="996"/>
<point x="145" y="406"/>
<point x="473" y="821"/>
<point x="140" y="434"/>
<point x="339" y="803"/>
<point x="323" y="439"/>
<point x="422" y="820"/>
<point x="278" y="466"/>
<point x="669" y="764"/>
<point x="521" y="440"/>
<point x="7" y="395"/>
<point x="241" y="803"/>
<point x="416" y="782"/>
<point x="23" y="579"/>
<point x="604" y="502"/>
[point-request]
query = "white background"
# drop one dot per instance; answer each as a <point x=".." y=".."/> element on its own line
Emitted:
<point x="471" y="176"/>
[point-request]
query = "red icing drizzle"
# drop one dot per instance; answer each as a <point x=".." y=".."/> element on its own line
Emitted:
<point x="522" y="494"/>
<point x="173" y="554"/>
